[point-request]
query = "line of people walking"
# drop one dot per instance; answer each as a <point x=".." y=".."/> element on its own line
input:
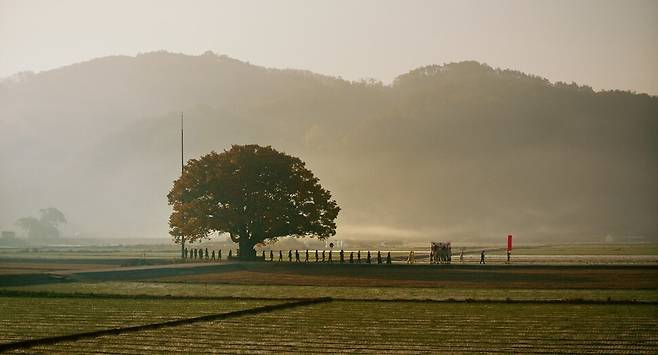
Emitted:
<point x="318" y="257"/>
<point x="327" y="257"/>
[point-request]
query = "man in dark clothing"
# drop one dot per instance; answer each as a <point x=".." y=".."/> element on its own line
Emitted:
<point x="280" y="255"/>
<point x="351" y="257"/>
<point x="482" y="257"/>
<point x="330" y="252"/>
<point x="379" y="257"/>
<point x="263" y="255"/>
<point x="296" y="255"/>
<point x="342" y="256"/>
<point x="290" y="255"/>
<point x="358" y="256"/>
<point x="306" y="259"/>
<point x="388" y="258"/>
<point x="368" y="257"/>
<point x="213" y="255"/>
<point x="316" y="256"/>
<point x="206" y="253"/>
<point x="219" y="256"/>
<point x="509" y="253"/>
<point x="323" y="256"/>
<point x="271" y="255"/>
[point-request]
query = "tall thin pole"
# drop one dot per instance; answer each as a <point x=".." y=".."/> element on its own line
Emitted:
<point x="182" y="139"/>
<point x="182" y="167"/>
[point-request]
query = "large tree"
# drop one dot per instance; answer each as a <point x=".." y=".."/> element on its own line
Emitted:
<point x="255" y="194"/>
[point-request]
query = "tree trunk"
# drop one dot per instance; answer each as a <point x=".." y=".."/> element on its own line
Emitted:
<point x="247" y="251"/>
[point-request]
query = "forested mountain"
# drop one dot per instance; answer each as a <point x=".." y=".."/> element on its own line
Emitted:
<point x="459" y="151"/>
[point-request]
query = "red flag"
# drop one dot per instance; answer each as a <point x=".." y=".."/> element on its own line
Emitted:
<point x="509" y="242"/>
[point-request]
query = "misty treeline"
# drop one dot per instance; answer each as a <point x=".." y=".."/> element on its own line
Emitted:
<point x="459" y="151"/>
<point x="45" y="227"/>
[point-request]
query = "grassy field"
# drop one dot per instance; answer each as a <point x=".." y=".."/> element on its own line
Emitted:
<point x="35" y="317"/>
<point x="402" y="327"/>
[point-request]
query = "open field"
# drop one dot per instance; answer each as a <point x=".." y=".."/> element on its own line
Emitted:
<point x="404" y="327"/>
<point x="35" y="317"/>
<point x="566" y="307"/>
<point x="336" y="292"/>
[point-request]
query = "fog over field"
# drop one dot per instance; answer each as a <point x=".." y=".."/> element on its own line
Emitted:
<point x="460" y="150"/>
<point x="446" y="148"/>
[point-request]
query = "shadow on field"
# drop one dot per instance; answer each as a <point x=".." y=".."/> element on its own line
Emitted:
<point x="319" y="274"/>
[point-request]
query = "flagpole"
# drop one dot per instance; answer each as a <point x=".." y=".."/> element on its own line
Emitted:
<point x="182" y="168"/>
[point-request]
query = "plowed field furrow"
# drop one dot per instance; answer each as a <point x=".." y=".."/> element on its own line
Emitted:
<point x="25" y="318"/>
<point x="407" y="327"/>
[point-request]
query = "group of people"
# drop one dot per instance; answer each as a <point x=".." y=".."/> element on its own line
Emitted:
<point x="441" y="254"/>
<point x="328" y="257"/>
<point x="201" y="254"/>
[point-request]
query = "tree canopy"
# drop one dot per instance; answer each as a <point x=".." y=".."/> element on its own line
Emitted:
<point x="255" y="194"/>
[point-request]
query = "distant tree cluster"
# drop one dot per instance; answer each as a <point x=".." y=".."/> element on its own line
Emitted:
<point x="45" y="227"/>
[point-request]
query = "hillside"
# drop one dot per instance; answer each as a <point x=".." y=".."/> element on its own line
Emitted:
<point x="458" y="151"/>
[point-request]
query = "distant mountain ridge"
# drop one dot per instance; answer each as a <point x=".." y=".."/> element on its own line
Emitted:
<point x="454" y="151"/>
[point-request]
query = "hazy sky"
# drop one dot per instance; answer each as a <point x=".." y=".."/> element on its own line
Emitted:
<point x="605" y="44"/>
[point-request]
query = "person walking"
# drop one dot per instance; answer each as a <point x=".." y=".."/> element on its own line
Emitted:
<point x="296" y="255"/>
<point x="280" y="255"/>
<point x="219" y="256"/>
<point x="290" y="255"/>
<point x="316" y="256"/>
<point x="461" y="255"/>
<point x="358" y="256"/>
<point x="306" y="259"/>
<point x="379" y="257"/>
<point x="271" y="255"/>
<point x="388" y="258"/>
<point x="509" y="254"/>
<point x="482" y="257"/>
<point x="368" y="258"/>
<point x="351" y="257"/>
<point x="342" y="256"/>
<point x="330" y="252"/>
<point x="213" y="255"/>
<point x="323" y="256"/>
